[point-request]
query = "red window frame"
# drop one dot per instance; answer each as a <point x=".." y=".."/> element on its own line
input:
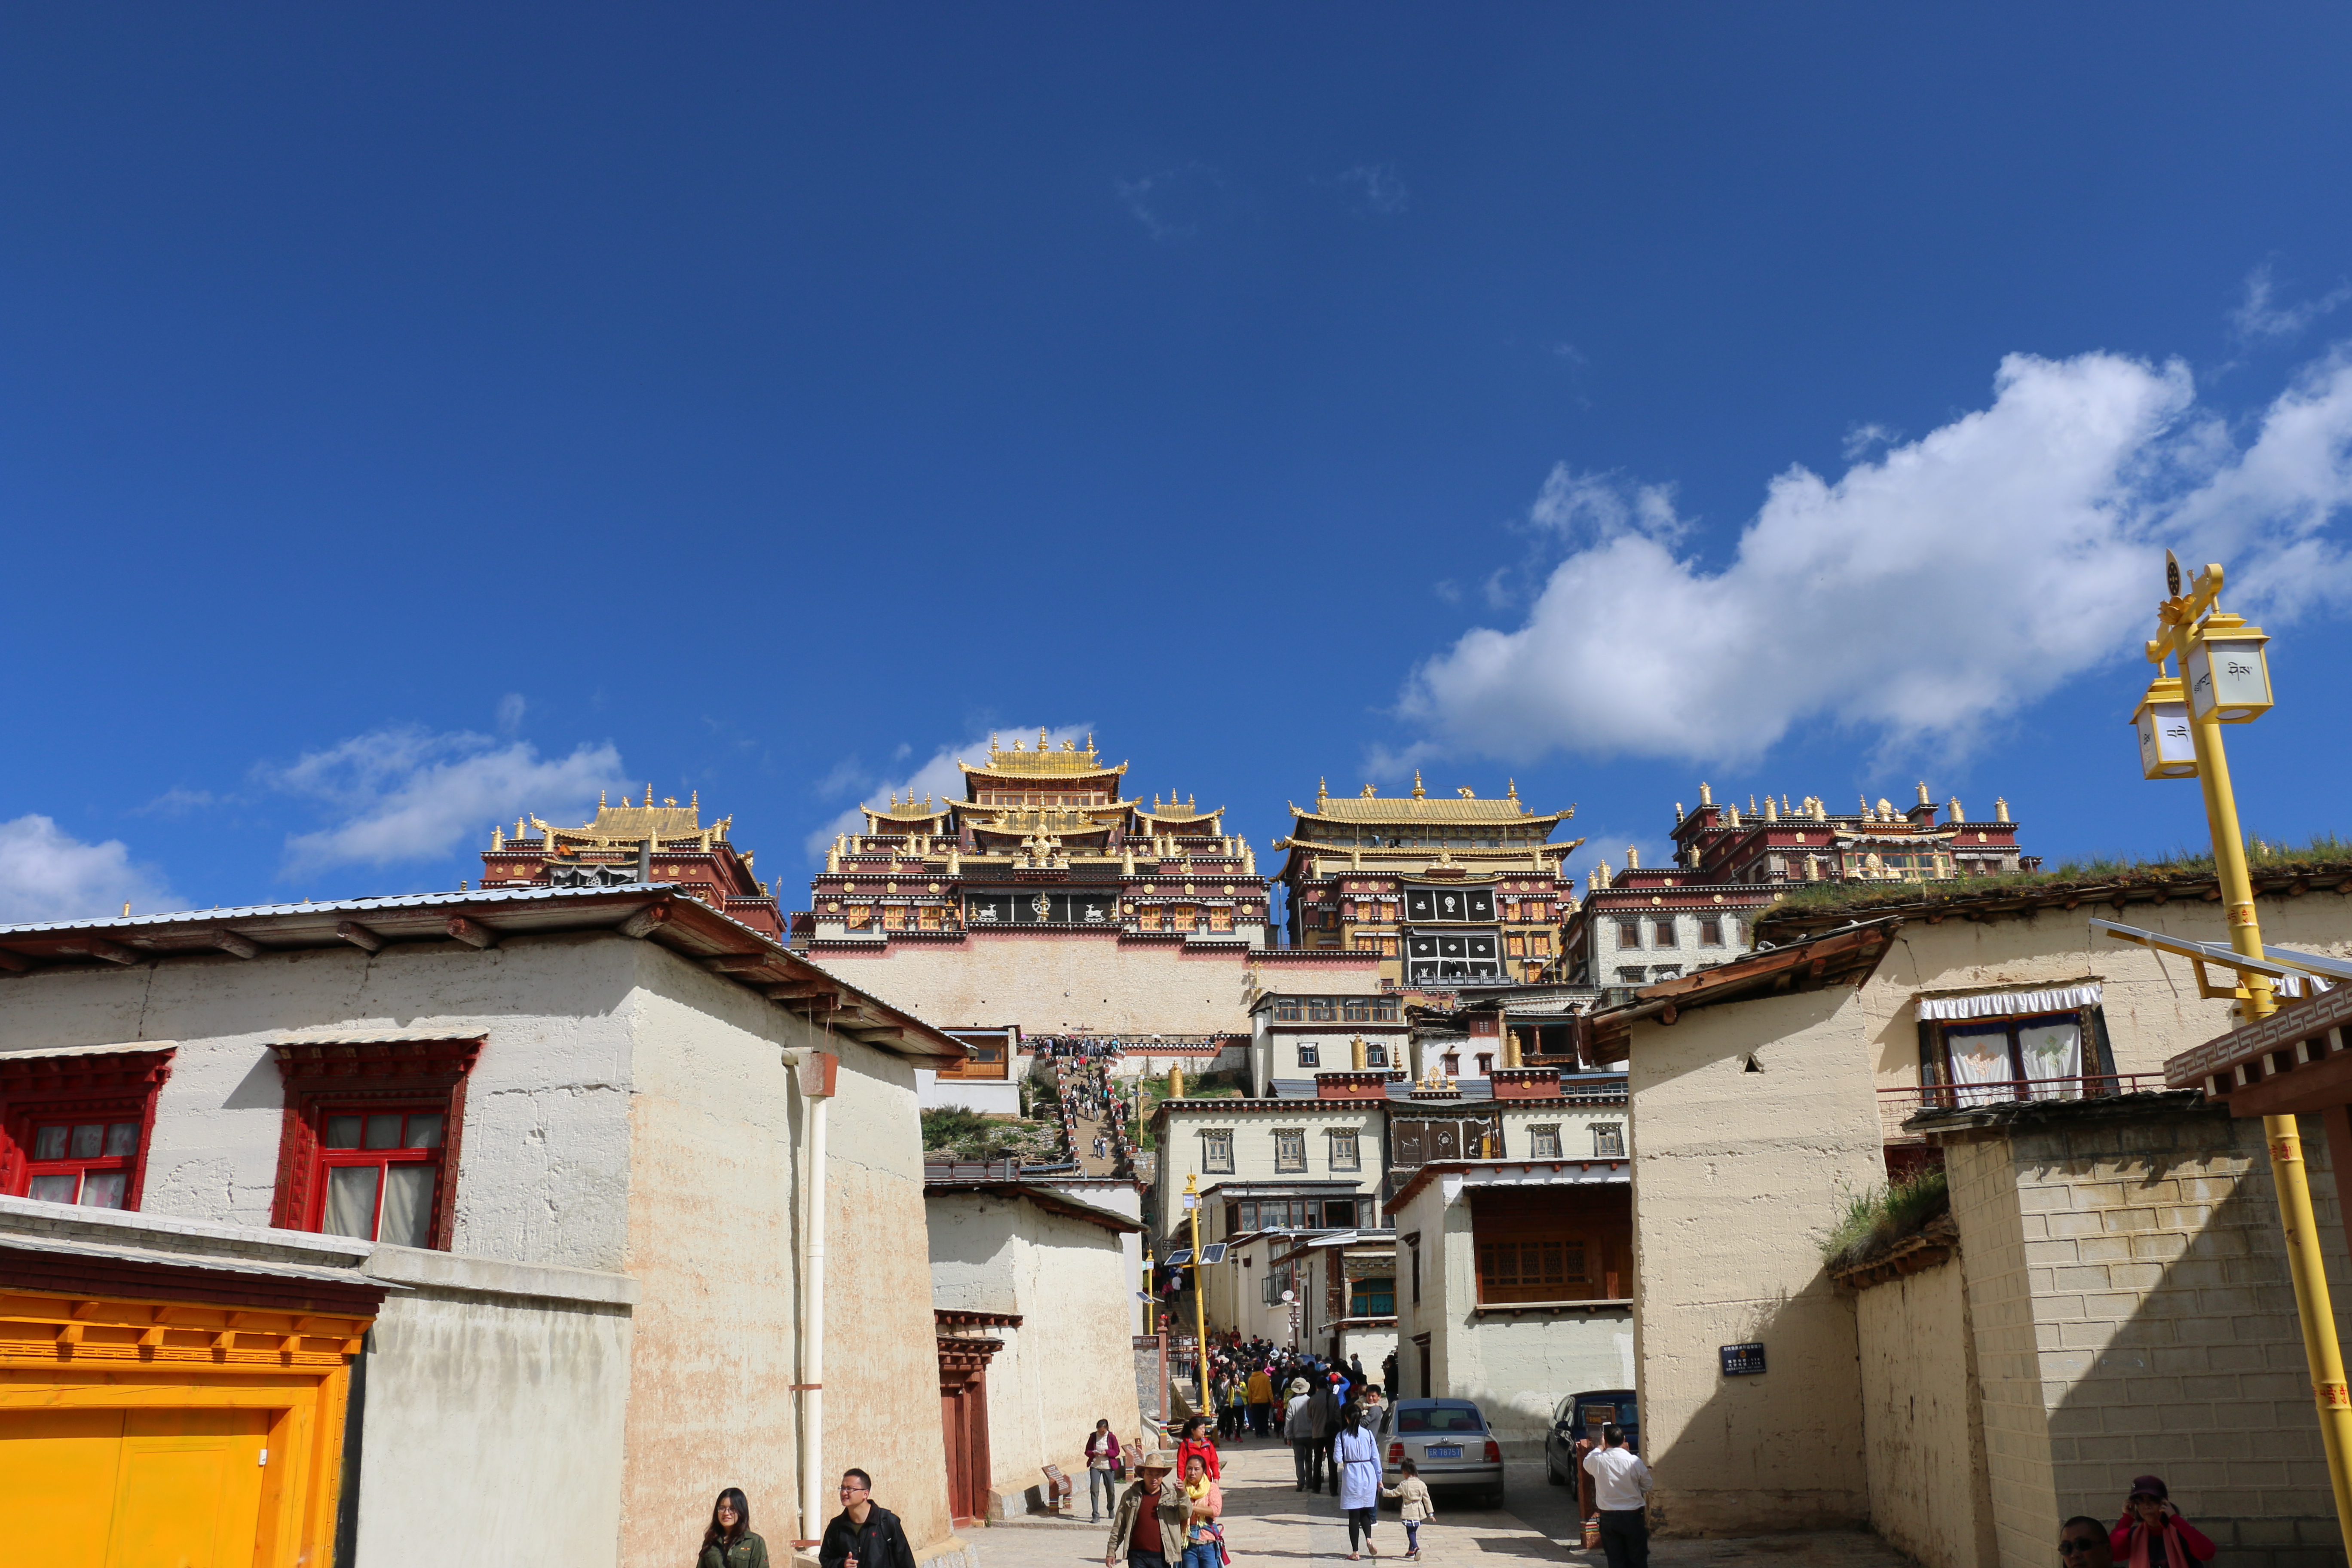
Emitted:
<point x="332" y="1156"/>
<point x="364" y="1077"/>
<point x="78" y="1088"/>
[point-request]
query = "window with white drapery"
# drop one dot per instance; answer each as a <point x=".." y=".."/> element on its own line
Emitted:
<point x="1987" y="1046"/>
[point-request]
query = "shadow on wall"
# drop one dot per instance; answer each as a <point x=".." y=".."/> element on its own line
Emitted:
<point x="1739" y="1466"/>
<point x="2183" y="1353"/>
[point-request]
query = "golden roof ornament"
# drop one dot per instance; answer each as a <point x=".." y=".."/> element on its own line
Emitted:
<point x="1465" y="791"/>
<point x="1632" y="858"/>
<point x="1706" y="795"/>
<point x="1418" y="793"/>
<point x="2000" y="808"/>
<point x="1952" y="810"/>
<point x="1322" y="791"/>
<point x="1923" y="793"/>
<point x="1511" y="790"/>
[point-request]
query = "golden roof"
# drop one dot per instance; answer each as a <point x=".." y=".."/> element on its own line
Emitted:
<point x="1370" y="806"/>
<point x="1045" y="762"/>
<point x="631" y="821"/>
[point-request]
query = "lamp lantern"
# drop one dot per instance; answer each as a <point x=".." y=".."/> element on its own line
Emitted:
<point x="2228" y="675"/>
<point x="2167" y="750"/>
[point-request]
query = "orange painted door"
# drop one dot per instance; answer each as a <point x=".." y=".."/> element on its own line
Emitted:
<point x="131" y="1488"/>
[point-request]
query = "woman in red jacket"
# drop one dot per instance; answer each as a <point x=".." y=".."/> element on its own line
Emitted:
<point x="2152" y="1534"/>
<point x="1196" y="1440"/>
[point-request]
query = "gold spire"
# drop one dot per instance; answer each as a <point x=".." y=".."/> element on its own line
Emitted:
<point x="1511" y="789"/>
<point x="1418" y="793"/>
<point x="1322" y="791"/>
<point x="1923" y="793"/>
<point x="1706" y="794"/>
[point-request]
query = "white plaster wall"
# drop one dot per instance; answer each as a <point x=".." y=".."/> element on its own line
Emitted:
<point x="712" y="1152"/>
<point x="1061" y="983"/>
<point x="990" y="1097"/>
<point x="881" y="1341"/>
<point x="1254" y="1129"/>
<point x="495" y="1400"/>
<point x="2152" y="1008"/>
<point x="1923" y="1419"/>
<point x="1735" y="1177"/>
<point x="1070" y="1363"/>
<point x="1575" y="1123"/>
<point x="1518" y="1368"/>
<point x="544" y="1173"/>
<point x="1124" y="1198"/>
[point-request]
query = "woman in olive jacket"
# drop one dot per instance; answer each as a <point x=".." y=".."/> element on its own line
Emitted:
<point x="729" y="1542"/>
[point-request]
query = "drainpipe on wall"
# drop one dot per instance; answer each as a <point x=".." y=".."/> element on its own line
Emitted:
<point x="817" y="1071"/>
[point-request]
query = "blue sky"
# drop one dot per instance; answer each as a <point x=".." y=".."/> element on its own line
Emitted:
<point x="410" y="419"/>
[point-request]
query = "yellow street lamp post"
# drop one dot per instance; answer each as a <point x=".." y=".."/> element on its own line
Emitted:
<point x="2224" y="679"/>
<point x="1200" y="1301"/>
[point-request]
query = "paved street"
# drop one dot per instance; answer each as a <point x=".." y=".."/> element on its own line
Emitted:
<point x="1267" y="1521"/>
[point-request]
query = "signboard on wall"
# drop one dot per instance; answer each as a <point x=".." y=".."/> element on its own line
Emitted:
<point x="1742" y="1361"/>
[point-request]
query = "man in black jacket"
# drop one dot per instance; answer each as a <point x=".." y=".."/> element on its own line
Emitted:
<point x="864" y="1534"/>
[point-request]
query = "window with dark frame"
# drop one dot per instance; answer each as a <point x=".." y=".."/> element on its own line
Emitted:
<point x="74" y="1127"/>
<point x="1665" y="934"/>
<point x="1309" y="1056"/>
<point x="1629" y="934"/>
<point x="1543" y="1143"/>
<point x="2043" y="1056"/>
<point x="1710" y="932"/>
<point x="1287" y="1010"/>
<point x="1608" y="1140"/>
<point x="1290" y="1149"/>
<point x="1347" y="1153"/>
<point x="1375" y="1055"/>
<point x="1217" y="1150"/>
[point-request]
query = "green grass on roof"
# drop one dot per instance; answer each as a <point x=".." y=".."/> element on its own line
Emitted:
<point x="1875" y="1219"/>
<point x="2325" y="852"/>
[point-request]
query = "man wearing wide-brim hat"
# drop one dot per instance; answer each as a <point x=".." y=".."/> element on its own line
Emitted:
<point x="1152" y="1515"/>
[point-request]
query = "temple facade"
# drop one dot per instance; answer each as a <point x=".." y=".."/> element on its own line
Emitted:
<point x="1047" y="898"/>
<point x="636" y="841"/>
<point x="1644" y="924"/>
<point x="1447" y="890"/>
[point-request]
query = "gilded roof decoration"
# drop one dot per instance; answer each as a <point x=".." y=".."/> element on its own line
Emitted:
<point x="1409" y="809"/>
<point x="1018" y="761"/>
<point x="632" y="820"/>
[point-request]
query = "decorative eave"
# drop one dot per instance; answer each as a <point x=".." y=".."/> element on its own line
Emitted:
<point x="463" y="922"/>
<point x="1848" y="956"/>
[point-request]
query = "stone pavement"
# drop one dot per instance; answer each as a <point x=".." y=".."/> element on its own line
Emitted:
<point x="1269" y="1524"/>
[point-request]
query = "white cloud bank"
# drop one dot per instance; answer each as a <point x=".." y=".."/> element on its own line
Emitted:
<point x="1946" y="583"/>
<point x="406" y="793"/>
<point x="46" y="874"/>
<point x="939" y="778"/>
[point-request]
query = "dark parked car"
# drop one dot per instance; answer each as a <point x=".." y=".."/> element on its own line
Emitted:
<point x="1581" y="1415"/>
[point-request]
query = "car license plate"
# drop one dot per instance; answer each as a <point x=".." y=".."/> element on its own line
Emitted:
<point x="1446" y="1451"/>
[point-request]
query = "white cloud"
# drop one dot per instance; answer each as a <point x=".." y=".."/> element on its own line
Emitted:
<point x="511" y="710"/>
<point x="46" y="874"/>
<point x="405" y="794"/>
<point x="1378" y="188"/>
<point x="939" y="778"/>
<point x="1923" y="595"/>
<point x="1174" y="202"/>
<point x="2257" y="317"/>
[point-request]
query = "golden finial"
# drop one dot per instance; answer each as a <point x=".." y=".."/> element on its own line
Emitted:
<point x="1322" y="791"/>
<point x="600" y="800"/>
<point x="1465" y="791"/>
<point x="649" y="796"/>
<point x="670" y="800"/>
<point x="1511" y="789"/>
<point x="1418" y="793"/>
<point x="1923" y="793"/>
<point x="1044" y="739"/>
<point x="2000" y="808"/>
<point x="1632" y="858"/>
<point x="1706" y="794"/>
<point x="1371" y="791"/>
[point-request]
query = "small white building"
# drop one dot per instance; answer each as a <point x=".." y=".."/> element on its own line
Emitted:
<point x="1294" y="1037"/>
<point x="1515" y="1284"/>
<point x="512" y="1187"/>
<point x="1035" y="1284"/>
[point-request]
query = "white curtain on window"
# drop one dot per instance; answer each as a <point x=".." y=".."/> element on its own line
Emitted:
<point x="1980" y="1057"/>
<point x="407" y="1205"/>
<point x="351" y="1201"/>
<point x="2052" y="1052"/>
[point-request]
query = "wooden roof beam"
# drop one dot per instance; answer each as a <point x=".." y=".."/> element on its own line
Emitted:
<point x="645" y="922"/>
<point x="470" y="934"/>
<point x="359" y="936"/>
<point x="98" y="947"/>
<point x="737" y="963"/>
<point x="229" y="941"/>
<point x="14" y="962"/>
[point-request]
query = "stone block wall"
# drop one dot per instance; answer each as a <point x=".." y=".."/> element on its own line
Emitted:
<point x="2134" y="1313"/>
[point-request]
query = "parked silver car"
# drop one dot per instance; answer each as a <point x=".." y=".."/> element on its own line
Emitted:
<point x="1449" y="1442"/>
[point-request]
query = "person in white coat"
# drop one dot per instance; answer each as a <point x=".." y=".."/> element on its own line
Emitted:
<point x="1356" y="1460"/>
